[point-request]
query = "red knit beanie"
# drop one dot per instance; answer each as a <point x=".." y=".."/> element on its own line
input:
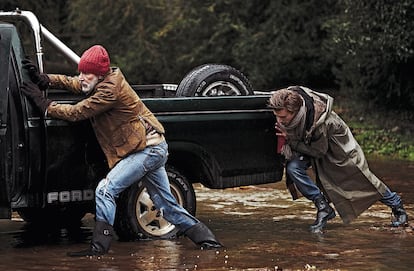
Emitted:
<point x="94" y="60"/>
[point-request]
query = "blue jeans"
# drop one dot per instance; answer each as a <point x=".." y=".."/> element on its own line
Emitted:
<point x="296" y="169"/>
<point x="148" y="165"/>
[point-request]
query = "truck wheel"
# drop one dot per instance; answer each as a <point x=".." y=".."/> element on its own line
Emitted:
<point x="137" y="217"/>
<point x="214" y="80"/>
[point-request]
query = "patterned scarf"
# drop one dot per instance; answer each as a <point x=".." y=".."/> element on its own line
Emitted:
<point x="295" y="130"/>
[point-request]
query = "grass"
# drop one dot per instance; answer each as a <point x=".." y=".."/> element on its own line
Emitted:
<point x="379" y="132"/>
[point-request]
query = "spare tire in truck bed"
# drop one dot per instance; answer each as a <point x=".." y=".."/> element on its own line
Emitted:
<point x="214" y="80"/>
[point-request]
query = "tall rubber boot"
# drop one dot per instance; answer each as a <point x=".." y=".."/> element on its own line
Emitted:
<point x="325" y="213"/>
<point x="400" y="216"/>
<point x="201" y="235"/>
<point x="101" y="241"/>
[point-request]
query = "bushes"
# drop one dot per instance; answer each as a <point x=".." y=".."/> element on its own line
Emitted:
<point x="377" y="141"/>
<point x="373" y="42"/>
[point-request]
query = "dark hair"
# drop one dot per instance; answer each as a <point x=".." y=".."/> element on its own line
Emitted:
<point x="285" y="99"/>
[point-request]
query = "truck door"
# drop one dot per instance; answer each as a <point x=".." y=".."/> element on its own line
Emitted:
<point x="12" y="158"/>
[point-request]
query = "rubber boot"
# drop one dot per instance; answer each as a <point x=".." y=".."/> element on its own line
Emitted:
<point x="400" y="216"/>
<point x="101" y="241"/>
<point x="201" y="235"/>
<point x="325" y="213"/>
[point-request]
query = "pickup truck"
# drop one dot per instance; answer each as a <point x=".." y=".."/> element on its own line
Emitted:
<point x="220" y="134"/>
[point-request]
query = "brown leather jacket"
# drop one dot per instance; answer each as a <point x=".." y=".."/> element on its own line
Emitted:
<point x="114" y="110"/>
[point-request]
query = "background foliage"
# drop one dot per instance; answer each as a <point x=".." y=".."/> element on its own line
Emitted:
<point x="361" y="48"/>
<point x="373" y="44"/>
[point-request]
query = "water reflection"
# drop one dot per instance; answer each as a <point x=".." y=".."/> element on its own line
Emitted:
<point x="261" y="227"/>
<point x="34" y="235"/>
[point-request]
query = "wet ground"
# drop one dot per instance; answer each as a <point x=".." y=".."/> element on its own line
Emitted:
<point x="261" y="227"/>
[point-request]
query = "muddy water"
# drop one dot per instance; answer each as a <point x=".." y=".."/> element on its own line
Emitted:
<point x="261" y="227"/>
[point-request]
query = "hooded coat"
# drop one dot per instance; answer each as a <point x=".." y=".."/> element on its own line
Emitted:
<point x="118" y="116"/>
<point x="339" y="163"/>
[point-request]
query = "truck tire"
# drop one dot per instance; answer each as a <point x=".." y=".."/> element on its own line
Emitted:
<point x="214" y="80"/>
<point x="136" y="216"/>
